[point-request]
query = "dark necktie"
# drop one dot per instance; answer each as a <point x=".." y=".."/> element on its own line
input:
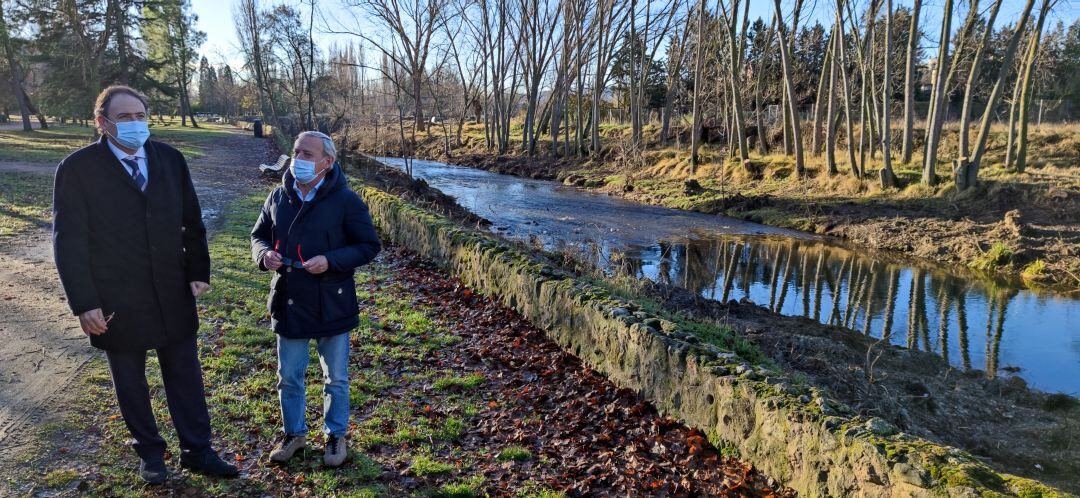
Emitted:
<point x="140" y="180"/>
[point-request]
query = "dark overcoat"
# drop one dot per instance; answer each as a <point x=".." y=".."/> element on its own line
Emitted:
<point x="128" y="252"/>
<point x="334" y="224"/>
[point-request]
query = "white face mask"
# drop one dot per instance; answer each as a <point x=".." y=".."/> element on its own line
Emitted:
<point x="303" y="171"/>
<point x="131" y="134"/>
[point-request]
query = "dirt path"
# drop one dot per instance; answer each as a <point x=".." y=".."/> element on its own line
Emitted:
<point x="42" y="349"/>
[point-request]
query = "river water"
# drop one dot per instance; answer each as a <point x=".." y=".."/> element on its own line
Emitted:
<point x="973" y="321"/>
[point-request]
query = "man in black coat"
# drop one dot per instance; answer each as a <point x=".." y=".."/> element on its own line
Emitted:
<point x="130" y="247"/>
<point x="313" y="232"/>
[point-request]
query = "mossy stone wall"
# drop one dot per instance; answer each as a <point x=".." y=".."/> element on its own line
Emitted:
<point x="791" y="432"/>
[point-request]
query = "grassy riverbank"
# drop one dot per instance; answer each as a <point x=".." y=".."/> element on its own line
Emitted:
<point x="1021" y="225"/>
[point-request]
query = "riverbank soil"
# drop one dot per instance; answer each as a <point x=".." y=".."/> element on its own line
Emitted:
<point x="45" y="356"/>
<point x="1024" y="225"/>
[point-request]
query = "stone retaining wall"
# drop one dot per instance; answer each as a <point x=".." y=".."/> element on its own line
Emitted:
<point x="791" y="432"/>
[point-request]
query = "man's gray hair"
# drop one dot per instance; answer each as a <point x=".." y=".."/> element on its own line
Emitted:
<point x="328" y="147"/>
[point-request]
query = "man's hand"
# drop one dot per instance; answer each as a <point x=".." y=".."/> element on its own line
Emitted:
<point x="93" y="322"/>
<point x="317" y="265"/>
<point x="271" y="260"/>
<point x="199" y="288"/>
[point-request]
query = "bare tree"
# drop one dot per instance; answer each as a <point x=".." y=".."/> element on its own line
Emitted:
<point x="856" y="170"/>
<point x="695" y="137"/>
<point x="937" y="97"/>
<point x="412" y="26"/>
<point x="537" y="28"/>
<point x="676" y="56"/>
<point x="972" y="79"/>
<point x="1026" y="85"/>
<point x="249" y="29"/>
<point x="909" y="82"/>
<point x="966" y="173"/>
<point x="612" y="18"/>
<point x="888" y="178"/>
<point x="654" y="30"/>
<point x="789" y="89"/>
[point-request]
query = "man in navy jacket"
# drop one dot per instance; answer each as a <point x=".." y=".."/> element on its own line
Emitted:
<point x="313" y="232"/>
<point x="130" y="247"/>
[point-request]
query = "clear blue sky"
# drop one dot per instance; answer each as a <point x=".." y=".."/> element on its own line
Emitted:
<point x="215" y="18"/>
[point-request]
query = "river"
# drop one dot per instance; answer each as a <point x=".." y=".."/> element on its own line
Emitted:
<point x="973" y="321"/>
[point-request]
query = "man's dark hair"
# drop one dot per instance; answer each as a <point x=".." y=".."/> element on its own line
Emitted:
<point x="101" y="105"/>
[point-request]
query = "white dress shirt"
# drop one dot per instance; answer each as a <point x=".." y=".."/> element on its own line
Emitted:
<point x="311" y="193"/>
<point x="139" y="155"/>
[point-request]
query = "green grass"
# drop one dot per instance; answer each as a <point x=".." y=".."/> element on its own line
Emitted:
<point x="1034" y="271"/>
<point x="999" y="255"/>
<point x="59" y="140"/>
<point x="457" y="382"/>
<point x="59" y="478"/>
<point x="424" y="465"/>
<point x="25" y="202"/>
<point x="534" y="489"/>
<point x="464" y="488"/>
<point x="514" y="454"/>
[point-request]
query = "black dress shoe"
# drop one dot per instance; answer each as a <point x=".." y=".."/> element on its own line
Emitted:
<point x="153" y="471"/>
<point x="209" y="464"/>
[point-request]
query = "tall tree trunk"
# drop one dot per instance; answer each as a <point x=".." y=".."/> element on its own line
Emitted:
<point x="733" y="79"/>
<point x="1028" y="86"/>
<point x="14" y="73"/>
<point x="695" y="136"/>
<point x="856" y="171"/>
<point x="969" y="88"/>
<point x="831" y="120"/>
<point x="789" y="88"/>
<point x="1010" y="141"/>
<point x="763" y="134"/>
<point x="909" y="83"/>
<point x="888" y="178"/>
<point x="937" y="98"/>
<point x="966" y="173"/>
<point x="123" y="48"/>
<point x="820" y="100"/>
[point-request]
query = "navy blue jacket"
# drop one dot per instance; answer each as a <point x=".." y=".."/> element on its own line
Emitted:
<point x="334" y="224"/>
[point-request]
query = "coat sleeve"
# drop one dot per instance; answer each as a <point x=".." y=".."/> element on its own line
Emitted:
<point x="362" y="242"/>
<point x="71" y="241"/>
<point x="262" y="234"/>
<point x="196" y="250"/>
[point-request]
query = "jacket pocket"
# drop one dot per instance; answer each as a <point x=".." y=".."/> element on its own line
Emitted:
<point x="338" y="299"/>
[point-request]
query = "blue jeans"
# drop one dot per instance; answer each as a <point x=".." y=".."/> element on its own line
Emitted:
<point x="292" y="365"/>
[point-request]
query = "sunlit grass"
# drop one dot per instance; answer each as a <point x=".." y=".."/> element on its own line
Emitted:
<point x="25" y="202"/>
<point x="59" y="140"/>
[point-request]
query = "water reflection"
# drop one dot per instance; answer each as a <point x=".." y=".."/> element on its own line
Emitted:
<point x="920" y="308"/>
<point x="973" y="322"/>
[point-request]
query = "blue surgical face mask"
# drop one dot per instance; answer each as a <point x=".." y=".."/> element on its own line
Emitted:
<point x="303" y="171"/>
<point x="131" y="134"/>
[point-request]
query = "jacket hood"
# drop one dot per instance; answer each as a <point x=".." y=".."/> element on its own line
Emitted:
<point x="333" y="181"/>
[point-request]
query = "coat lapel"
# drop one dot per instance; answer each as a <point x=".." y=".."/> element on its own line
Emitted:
<point x="153" y="167"/>
<point x="114" y="165"/>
